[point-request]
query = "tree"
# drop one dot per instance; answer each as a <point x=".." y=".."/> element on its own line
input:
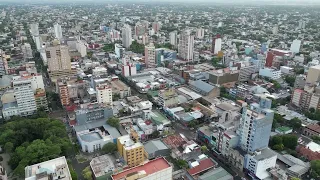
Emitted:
<point x="87" y="173"/>
<point x="192" y="124"/>
<point x="109" y="148"/>
<point x="8" y="147"/>
<point x="290" y="141"/>
<point x="204" y="149"/>
<point x="32" y="141"/>
<point x="315" y="169"/>
<point x="295" y="178"/>
<point x="182" y="163"/>
<point x="295" y="123"/>
<point x="1" y="158"/>
<point x="155" y="134"/>
<point x="278" y="147"/>
<point x="290" y="80"/>
<point x="114" y="122"/>
<point x="312" y="110"/>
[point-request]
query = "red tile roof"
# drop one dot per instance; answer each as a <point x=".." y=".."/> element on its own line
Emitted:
<point x="310" y="155"/>
<point x="203" y="165"/>
<point x="314" y="127"/>
<point x="150" y="168"/>
<point x="174" y="141"/>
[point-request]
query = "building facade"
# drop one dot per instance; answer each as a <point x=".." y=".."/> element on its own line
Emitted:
<point x="186" y="46"/>
<point x="150" y="55"/>
<point x="24" y="97"/>
<point x="104" y="94"/>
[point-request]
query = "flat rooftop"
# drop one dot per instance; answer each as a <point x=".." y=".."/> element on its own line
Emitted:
<point x="102" y="165"/>
<point x="94" y="136"/>
<point x="149" y="167"/>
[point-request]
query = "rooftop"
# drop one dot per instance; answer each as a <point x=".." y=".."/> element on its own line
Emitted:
<point x="158" y="118"/>
<point x="203" y="166"/>
<point x="216" y="174"/>
<point x="150" y="167"/>
<point x="52" y="167"/>
<point x="154" y="145"/>
<point x="102" y="165"/>
<point x="93" y="136"/>
<point x="174" y="141"/>
<point x="203" y="86"/>
<point x="283" y="128"/>
<point x="314" y="127"/>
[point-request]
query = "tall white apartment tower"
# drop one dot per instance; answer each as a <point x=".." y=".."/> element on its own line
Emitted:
<point x="186" y="45"/>
<point x="24" y="96"/>
<point x="150" y="55"/>
<point x="34" y="29"/>
<point x="126" y="36"/>
<point x="173" y="38"/>
<point x="200" y="33"/>
<point x="58" y="31"/>
<point x="217" y="46"/>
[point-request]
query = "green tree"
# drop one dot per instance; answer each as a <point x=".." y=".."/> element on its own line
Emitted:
<point x="155" y="134"/>
<point x="278" y="147"/>
<point x="295" y="123"/>
<point x="8" y="147"/>
<point x="1" y="158"/>
<point x="114" y="122"/>
<point x="290" y="141"/>
<point x="136" y="47"/>
<point x="87" y="173"/>
<point x="204" y="149"/>
<point x="108" y="47"/>
<point x="182" y="163"/>
<point x="295" y="178"/>
<point x="312" y="110"/>
<point x="109" y="148"/>
<point x="290" y="80"/>
<point x="315" y="169"/>
<point x="192" y="124"/>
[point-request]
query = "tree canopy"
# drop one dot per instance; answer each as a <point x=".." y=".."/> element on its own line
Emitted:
<point x="136" y="47"/>
<point x="282" y="142"/>
<point x="31" y="141"/>
<point x="114" y="122"/>
<point x="109" y="148"/>
<point x="87" y="173"/>
<point x="315" y="169"/>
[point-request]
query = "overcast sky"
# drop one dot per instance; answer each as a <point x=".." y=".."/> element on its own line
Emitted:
<point x="195" y="1"/>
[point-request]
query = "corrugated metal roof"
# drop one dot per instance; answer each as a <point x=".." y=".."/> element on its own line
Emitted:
<point x="203" y="86"/>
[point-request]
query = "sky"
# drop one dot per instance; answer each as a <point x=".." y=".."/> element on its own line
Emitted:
<point x="190" y="1"/>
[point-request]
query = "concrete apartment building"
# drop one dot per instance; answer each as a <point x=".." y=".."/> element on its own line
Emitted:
<point x="41" y="99"/>
<point x="52" y="169"/>
<point x="27" y="51"/>
<point x="118" y="87"/>
<point x="186" y="45"/>
<point x="150" y="55"/>
<point x="92" y="112"/>
<point x="104" y="94"/>
<point x="126" y="36"/>
<point x="24" y="96"/>
<point x="131" y="150"/>
<point x="59" y="61"/>
<point x="313" y="75"/>
<point x="255" y="126"/>
<point x="64" y="93"/>
<point x="155" y="169"/>
<point x="306" y="100"/>
<point x="225" y="77"/>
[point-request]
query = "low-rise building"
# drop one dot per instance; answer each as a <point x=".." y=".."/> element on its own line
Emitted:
<point x="94" y="139"/>
<point x="156" y="148"/>
<point x="41" y="99"/>
<point x="118" y="87"/>
<point x="270" y="73"/>
<point x="104" y="166"/>
<point x="205" y="89"/>
<point x="312" y="130"/>
<point x="155" y="169"/>
<point x="52" y="169"/>
<point x="93" y="112"/>
<point x="216" y="174"/>
<point x="225" y="77"/>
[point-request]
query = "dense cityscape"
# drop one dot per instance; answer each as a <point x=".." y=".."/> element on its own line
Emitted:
<point x="159" y="90"/>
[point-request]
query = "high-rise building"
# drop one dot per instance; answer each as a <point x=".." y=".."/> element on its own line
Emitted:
<point x="27" y="51"/>
<point x="140" y="29"/>
<point x="200" y="33"/>
<point x="59" y="61"/>
<point x="255" y="125"/>
<point x="150" y="55"/>
<point x="126" y="36"/>
<point x="129" y="69"/>
<point x="156" y="26"/>
<point x="104" y="94"/>
<point x="302" y="24"/>
<point x="295" y="46"/>
<point x="119" y="50"/>
<point x="186" y="45"/>
<point x="131" y="150"/>
<point x="34" y="29"/>
<point x="313" y="75"/>
<point x="64" y="93"/>
<point x="173" y="38"/>
<point x="41" y="99"/>
<point x="58" y="31"/>
<point x="269" y="59"/>
<point x="2" y="65"/>
<point x="36" y="80"/>
<point x="24" y="96"/>
<point x="82" y="47"/>
<point x="216" y="44"/>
